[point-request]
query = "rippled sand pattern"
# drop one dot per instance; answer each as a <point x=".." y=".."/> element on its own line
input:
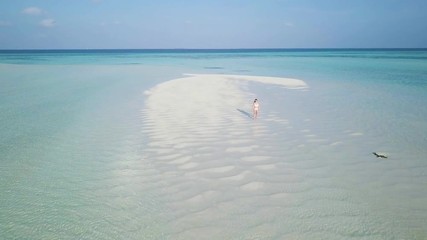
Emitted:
<point x="224" y="175"/>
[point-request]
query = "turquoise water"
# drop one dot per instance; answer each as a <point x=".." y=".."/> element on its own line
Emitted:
<point x="77" y="156"/>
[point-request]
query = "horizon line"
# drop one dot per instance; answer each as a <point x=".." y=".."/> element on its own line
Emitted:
<point x="216" y="49"/>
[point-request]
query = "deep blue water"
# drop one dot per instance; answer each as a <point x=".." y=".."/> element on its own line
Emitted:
<point x="139" y="56"/>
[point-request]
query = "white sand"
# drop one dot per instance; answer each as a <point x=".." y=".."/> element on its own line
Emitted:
<point x="290" y="83"/>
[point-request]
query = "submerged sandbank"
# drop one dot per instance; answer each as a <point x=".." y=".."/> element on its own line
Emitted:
<point x="217" y="165"/>
<point x="220" y="168"/>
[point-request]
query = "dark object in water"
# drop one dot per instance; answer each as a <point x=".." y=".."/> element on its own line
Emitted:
<point x="214" y="68"/>
<point x="378" y="155"/>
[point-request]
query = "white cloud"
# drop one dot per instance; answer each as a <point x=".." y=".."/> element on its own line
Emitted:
<point x="48" y="22"/>
<point x="32" y="11"/>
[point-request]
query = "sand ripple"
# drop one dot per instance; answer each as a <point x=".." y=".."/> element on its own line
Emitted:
<point x="226" y="176"/>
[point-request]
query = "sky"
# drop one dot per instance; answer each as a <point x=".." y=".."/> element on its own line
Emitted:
<point x="154" y="24"/>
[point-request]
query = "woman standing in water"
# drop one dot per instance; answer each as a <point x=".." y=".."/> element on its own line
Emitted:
<point x="255" y="108"/>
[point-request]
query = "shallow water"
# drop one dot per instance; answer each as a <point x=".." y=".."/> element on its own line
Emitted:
<point x="93" y="147"/>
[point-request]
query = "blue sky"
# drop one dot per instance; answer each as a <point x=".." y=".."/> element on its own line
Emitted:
<point x="81" y="24"/>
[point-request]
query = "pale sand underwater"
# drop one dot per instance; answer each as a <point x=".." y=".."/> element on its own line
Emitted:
<point x="223" y="175"/>
<point x="214" y="161"/>
<point x="143" y="152"/>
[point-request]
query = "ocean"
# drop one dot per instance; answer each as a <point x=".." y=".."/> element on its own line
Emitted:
<point x="160" y="144"/>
